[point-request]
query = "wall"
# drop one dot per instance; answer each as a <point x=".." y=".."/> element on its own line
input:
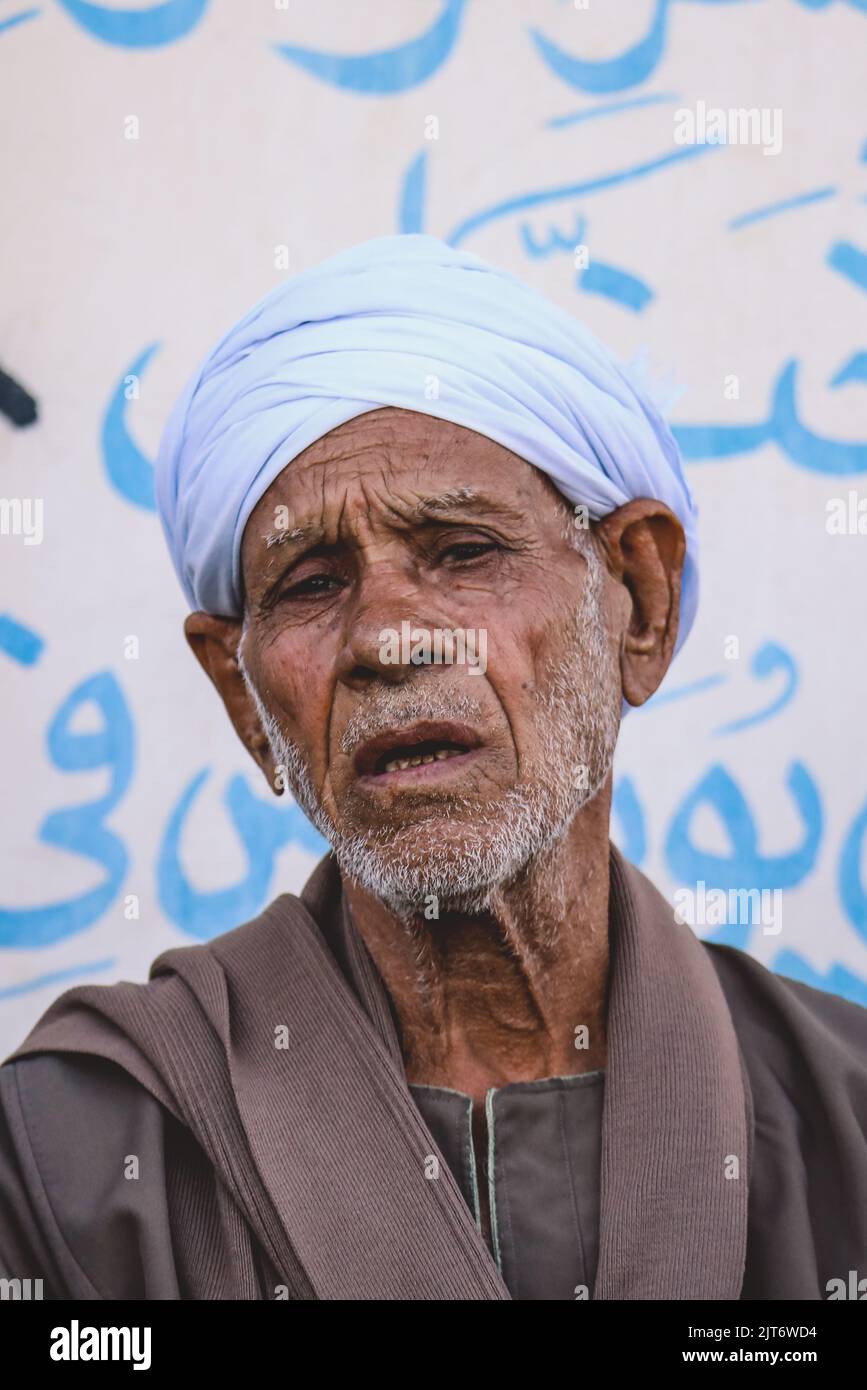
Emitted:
<point x="166" y="165"/>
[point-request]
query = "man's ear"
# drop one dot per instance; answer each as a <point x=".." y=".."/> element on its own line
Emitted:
<point x="215" y="644"/>
<point x="645" y="546"/>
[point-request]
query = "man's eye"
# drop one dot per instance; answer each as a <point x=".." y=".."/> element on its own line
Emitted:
<point x="469" y="550"/>
<point x="314" y="584"/>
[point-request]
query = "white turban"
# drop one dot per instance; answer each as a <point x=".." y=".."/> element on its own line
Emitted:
<point x="404" y="321"/>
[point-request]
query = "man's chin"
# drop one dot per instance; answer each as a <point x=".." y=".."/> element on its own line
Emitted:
<point x="436" y="866"/>
<point x="410" y="890"/>
<point x="435" y="841"/>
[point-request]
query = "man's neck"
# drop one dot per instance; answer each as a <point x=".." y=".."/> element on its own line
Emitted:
<point x="516" y="994"/>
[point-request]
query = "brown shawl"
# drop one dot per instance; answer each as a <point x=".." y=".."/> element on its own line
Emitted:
<point x="321" y="1148"/>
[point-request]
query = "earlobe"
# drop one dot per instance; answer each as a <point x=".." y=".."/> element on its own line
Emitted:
<point x="214" y="642"/>
<point x="645" y="547"/>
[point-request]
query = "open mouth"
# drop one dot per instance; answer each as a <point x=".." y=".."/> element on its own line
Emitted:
<point x="421" y="748"/>
<point x="425" y="753"/>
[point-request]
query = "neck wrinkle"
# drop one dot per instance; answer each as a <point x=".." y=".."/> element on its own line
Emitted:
<point x="483" y="1000"/>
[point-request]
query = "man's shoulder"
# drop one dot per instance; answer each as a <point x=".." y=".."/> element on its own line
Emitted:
<point x="67" y="1102"/>
<point x="70" y="1118"/>
<point x="76" y="1131"/>
<point x="776" y="1017"/>
<point x="88" y="1023"/>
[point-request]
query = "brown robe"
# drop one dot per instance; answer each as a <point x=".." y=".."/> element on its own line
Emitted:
<point x="734" y="1152"/>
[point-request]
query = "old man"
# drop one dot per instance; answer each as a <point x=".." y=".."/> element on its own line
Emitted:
<point x="479" y="1057"/>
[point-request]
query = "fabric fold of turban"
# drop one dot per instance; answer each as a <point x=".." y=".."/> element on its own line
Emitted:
<point x="404" y="321"/>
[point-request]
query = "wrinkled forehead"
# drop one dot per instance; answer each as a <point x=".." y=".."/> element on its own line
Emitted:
<point x="397" y="464"/>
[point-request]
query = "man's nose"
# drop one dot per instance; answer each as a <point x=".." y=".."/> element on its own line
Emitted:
<point x="377" y="645"/>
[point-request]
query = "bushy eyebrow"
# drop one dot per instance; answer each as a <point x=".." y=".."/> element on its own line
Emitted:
<point x="466" y="499"/>
<point x="286" y="537"/>
<point x="445" y="501"/>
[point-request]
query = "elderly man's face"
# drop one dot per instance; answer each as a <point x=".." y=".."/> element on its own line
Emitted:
<point x="429" y="779"/>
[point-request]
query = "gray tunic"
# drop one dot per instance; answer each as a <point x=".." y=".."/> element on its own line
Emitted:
<point x="117" y="1222"/>
<point x="544" y="1155"/>
<point x="155" y="1144"/>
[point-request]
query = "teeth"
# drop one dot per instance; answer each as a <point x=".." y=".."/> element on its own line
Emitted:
<point x="398" y="764"/>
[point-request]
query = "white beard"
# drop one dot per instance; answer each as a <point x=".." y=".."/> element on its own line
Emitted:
<point x="484" y="845"/>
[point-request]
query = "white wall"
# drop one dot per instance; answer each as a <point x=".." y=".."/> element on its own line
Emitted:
<point x="116" y="244"/>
